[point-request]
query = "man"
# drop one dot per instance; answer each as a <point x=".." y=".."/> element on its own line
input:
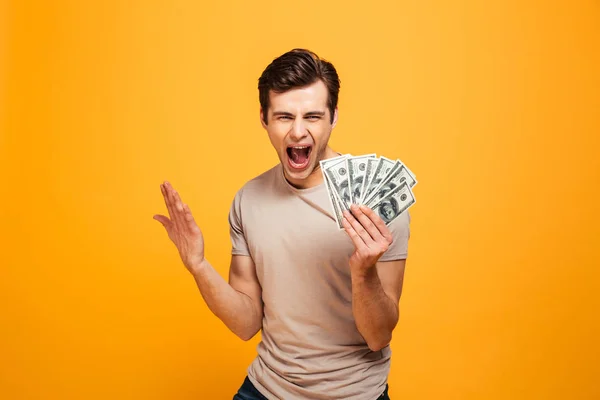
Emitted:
<point x="326" y="299"/>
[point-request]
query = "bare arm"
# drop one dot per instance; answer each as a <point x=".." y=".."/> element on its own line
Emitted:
<point x="237" y="303"/>
<point x="376" y="286"/>
<point x="375" y="301"/>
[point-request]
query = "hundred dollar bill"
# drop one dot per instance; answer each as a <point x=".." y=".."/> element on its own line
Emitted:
<point x="369" y="173"/>
<point x="334" y="203"/>
<point x="412" y="175"/>
<point x="395" y="203"/>
<point x="396" y="177"/>
<point x="381" y="170"/>
<point x="338" y="176"/>
<point x="331" y="192"/>
<point x="329" y="161"/>
<point x="357" y="168"/>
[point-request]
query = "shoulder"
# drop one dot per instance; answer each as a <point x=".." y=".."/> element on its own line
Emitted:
<point x="400" y="227"/>
<point x="250" y="194"/>
<point x="400" y="230"/>
<point x="259" y="185"/>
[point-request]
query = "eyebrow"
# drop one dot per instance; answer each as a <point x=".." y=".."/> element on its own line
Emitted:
<point x="319" y="113"/>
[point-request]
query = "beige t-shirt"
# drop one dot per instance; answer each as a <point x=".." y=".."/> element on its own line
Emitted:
<point x="310" y="346"/>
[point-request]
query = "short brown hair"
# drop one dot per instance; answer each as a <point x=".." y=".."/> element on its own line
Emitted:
<point x="294" y="69"/>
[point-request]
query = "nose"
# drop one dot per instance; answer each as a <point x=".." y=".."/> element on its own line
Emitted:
<point x="299" y="130"/>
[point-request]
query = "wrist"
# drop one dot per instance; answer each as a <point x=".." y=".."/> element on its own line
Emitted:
<point x="199" y="267"/>
<point x="362" y="273"/>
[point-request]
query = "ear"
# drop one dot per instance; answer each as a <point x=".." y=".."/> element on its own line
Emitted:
<point x="335" y="118"/>
<point x="262" y="121"/>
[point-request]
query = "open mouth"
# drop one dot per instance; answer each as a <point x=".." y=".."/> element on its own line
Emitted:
<point x="299" y="155"/>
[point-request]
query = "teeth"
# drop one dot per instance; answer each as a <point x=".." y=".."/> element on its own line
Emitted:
<point x="300" y="147"/>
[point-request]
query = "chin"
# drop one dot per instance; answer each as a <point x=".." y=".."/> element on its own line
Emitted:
<point x="294" y="174"/>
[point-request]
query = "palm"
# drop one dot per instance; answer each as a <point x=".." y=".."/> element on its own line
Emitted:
<point x="189" y="242"/>
<point x="182" y="228"/>
<point x="370" y="235"/>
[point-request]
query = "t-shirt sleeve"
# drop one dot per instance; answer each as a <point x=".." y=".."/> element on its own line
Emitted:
<point x="236" y="228"/>
<point x="400" y="229"/>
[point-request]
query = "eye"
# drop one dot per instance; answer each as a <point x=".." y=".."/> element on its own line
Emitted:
<point x="314" y="117"/>
<point x="285" y="117"/>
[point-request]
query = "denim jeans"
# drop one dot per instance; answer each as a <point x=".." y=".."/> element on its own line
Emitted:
<point x="248" y="392"/>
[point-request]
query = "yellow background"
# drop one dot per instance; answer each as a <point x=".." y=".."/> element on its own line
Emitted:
<point x="493" y="105"/>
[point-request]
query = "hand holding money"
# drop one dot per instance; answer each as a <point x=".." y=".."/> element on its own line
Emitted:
<point x="182" y="229"/>
<point x="381" y="184"/>
<point x="370" y="235"/>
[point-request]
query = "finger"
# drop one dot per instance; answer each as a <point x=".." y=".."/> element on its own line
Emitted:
<point x="359" y="243"/>
<point x="376" y="219"/>
<point x="163" y="220"/>
<point x="174" y="200"/>
<point x="367" y="239"/>
<point x="165" y="192"/>
<point x="179" y="204"/>
<point x="189" y="219"/>
<point x="366" y="222"/>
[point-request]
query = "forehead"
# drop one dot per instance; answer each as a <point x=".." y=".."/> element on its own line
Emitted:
<point x="313" y="96"/>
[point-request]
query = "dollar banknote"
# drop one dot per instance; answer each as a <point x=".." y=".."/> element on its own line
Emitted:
<point x="335" y="204"/>
<point x="394" y="203"/>
<point x="337" y="212"/>
<point x="338" y="178"/>
<point x="357" y="170"/>
<point x="382" y="169"/>
<point x="383" y="184"/>
<point x="372" y="164"/>
<point x="397" y="175"/>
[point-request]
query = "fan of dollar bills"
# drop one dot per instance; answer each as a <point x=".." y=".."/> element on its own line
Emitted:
<point x="381" y="184"/>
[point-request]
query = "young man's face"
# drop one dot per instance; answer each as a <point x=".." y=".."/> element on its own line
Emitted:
<point x="299" y="128"/>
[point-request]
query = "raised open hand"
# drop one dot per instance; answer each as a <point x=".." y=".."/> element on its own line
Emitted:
<point x="182" y="228"/>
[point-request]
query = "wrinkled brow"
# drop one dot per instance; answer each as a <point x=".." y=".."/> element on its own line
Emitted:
<point x="319" y="113"/>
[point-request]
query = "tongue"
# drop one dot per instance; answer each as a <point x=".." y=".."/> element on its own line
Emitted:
<point x="299" y="156"/>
